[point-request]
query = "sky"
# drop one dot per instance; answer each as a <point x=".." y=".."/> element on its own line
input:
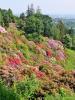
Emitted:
<point x="50" y="7"/>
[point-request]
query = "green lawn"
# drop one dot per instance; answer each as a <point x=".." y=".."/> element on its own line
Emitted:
<point x="70" y="61"/>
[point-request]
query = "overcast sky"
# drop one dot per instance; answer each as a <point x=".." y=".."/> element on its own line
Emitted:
<point x="51" y="7"/>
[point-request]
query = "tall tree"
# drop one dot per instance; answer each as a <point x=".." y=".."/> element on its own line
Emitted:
<point x="5" y="17"/>
<point x="1" y="18"/>
<point x="38" y="11"/>
<point x="22" y="16"/>
<point x="47" y="21"/>
<point x="11" y="16"/>
<point x="61" y="27"/>
<point x="30" y="10"/>
<point x="30" y="24"/>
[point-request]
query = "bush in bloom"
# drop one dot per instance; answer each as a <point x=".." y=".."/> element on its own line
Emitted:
<point x="2" y="30"/>
<point x="48" y="53"/>
<point x="38" y="73"/>
<point x="54" y="44"/>
<point x="58" y="68"/>
<point x="60" y="55"/>
<point x="21" y="56"/>
<point x="14" y="61"/>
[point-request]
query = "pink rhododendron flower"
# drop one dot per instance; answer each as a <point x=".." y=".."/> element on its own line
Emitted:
<point x="14" y="61"/>
<point x="60" y="55"/>
<point x="2" y="30"/>
<point x="55" y="44"/>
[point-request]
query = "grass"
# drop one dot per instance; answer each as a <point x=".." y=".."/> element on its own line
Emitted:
<point x="70" y="60"/>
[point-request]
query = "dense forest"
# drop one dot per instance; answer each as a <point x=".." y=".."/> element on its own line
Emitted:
<point x="37" y="57"/>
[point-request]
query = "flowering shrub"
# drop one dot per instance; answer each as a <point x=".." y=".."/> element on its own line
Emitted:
<point x="2" y="30"/>
<point x="48" y="53"/>
<point x="38" y="73"/>
<point x="14" y="61"/>
<point x="21" y="56"/>
<point x="25" y="50"/>
<point x="40" y="45"/>
<point x="58" y="68"/>
<point x="54" y="44"/>
<point x="60" y="55"/>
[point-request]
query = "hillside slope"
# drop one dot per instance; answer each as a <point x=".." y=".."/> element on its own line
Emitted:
<point x="21" y="58"/>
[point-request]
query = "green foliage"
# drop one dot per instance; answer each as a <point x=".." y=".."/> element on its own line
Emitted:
<point x="34" y="24"/>
<point x="55" y="32"/>
<point x="70" y="60"/>
<point x="73" y="41"/>
<point x="6" y="93"/>
<point x="35" y="37"/>
<point x="47" y="21"/>
<point x="25" y="50"/>
<point x="51" y="97"/>
<point x="62" y="28"/>
<point x="1" y="18"/>
<point x="6" y="17"/>
<point x="59" y="97"/>
<point x="30" y="24"/>
<point x="27" y="88"/>
<point x="11" y="16"/>
<point x="22" y="16"/>
<point x="63" y="94"/>
<point x="67" y="40"/>
<point x="30" y="10"/>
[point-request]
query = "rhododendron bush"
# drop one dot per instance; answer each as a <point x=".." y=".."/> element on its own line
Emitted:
<point x="14" y="61"/>
<point x="54" y="44"/>
<point x="38" y="73"/>
<point x="60" y="55"/>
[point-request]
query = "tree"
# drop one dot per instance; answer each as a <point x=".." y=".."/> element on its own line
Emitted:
<point x="11" y="16"/>
<point x="47" y="21"/>
<point x="55" y="32"/>
<point x="5" y="17"/>
<point x="39" y="26"/>
<point x="30" y="24"/>
<point x="73" y="42"/>
<point x="71" y="31"/>
<point x="38" y="11"/>
<point x="67" y="40"/>
<point x="30" y="10"/>
<point x="1" y="18"/>
<point x="22" y="16"/>
<point x="34" y="24"/>
<point x="62" y="29"/>
<point x="21" y="24"/>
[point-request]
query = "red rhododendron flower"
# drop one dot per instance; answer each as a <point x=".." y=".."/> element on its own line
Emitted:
<point x="38" y="73"/>
<point x="48" y="53"/>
